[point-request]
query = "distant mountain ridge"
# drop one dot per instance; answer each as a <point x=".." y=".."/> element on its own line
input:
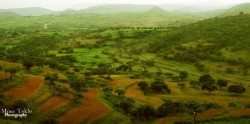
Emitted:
<point x="134" y="8"/>
<point x="8" y="14"/>
<point x="31" y="11"/>
<point x="116" y="8"/>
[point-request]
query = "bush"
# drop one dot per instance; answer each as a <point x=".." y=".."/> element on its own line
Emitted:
<point x="181" y="84"/>
<point x="49" y="120"/>
<point x="232" y="105"/>
<point x="19" y="104"/>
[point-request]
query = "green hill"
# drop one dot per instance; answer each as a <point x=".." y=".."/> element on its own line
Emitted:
<point x="157" y="9"/>
<point x="32" y="11"/>
<point x="217" y="39"/>
<point x="245" y="7"/>
<point x="235" y="10"/>
<point x="8" y="14"/>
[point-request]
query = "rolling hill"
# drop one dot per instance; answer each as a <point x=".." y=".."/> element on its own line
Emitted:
<point x="32" y="11"/>
<point x="116" y="8"/>
<point x="214" y="39"/>
<point x="8" y="14"/>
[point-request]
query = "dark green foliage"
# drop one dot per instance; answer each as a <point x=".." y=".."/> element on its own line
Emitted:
<point x="207" y="83"/>
<point x="170" y="108"/>
<point x="51" y="78"/>
<point x="160" y="87"/>
<point x="19" y="104"/>
<point x="78" y="96"/>
<point x="28" y="64"/>
<point x="49" y="120"/>
<point x="12" y="70"/>
<point x="144" y="112"/>
<point x="183" y="74"/>
<point x="143" y="85"/>
<point x="237" y="89"/>
<point x="222" y="83"/>
<point x="120" y="92"/>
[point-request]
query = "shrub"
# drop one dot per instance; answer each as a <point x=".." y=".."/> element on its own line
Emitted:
<point x="18" y="104"/>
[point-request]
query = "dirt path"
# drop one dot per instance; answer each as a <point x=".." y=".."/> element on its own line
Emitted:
<point x="90" y="110"/>
<point x="28" y="89"/>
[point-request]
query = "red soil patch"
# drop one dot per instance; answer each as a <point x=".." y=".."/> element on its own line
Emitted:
<point x="136" y="93"/>
<point x="11" y="64"/>
<point x="238" y="113"/>
<point x="119" y="82"/>
<point x="168" y="120"/>
<point x="210" y="113"/>
<point x="60" y="76"/>
<point x="4" y="75"/>
<point x="90" y="109"/>
<point x="43" y="96"/>
<point x="53" y="103"/>
<point x="28" y="89"/>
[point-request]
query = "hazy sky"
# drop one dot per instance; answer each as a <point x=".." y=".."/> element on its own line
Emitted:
<point x="63" y="4"/>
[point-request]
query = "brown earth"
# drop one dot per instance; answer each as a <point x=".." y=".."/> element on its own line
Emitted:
<point x="11" y="64"/>
<point x="136" y="93"/>
<point x="91" y="109"/>
<point x="238" y="113"/>
<point x="43" y="96"/>
<point x="167" y="120"/>
<point x="28" y="89"/>
<point x="4" y="75"/>
<point x="53" y="103"/>
<point x="119" y="82"/>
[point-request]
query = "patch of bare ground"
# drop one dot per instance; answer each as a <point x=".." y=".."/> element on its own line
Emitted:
<point x="119" y="82"/>
<point x="91" y="109"/>
<point x="5" y="63"/>
<point x="28" y="89"/>
<point x="4" y="75"/>
<point x="167" y="120"/>
<point x="53" y="103"/>
<point x="135" y="92"/>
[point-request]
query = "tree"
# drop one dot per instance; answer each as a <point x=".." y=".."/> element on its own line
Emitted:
<point x="143" y="85"/>
<point x="222" y="83"/>
<point x="19" y="104"/>
<point x="206" y="78"/>
<point x="236" y="89"/>
<point x="12" y="70"/>
<point x="120" y="92"/>
<point x="28" y="64"/>
<point x="183" y="75"/>
<point x="51" y="78"/>
<point x="194" y="107"/>
<point x="207" y="83"/>
<point x="160" y="87"/>
<point x="209" y="87"/>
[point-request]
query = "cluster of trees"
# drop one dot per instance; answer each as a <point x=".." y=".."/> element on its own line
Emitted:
<point x="147" y="112"/>
<point x="158" y="86"/>
<point x="207" y="82"/>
